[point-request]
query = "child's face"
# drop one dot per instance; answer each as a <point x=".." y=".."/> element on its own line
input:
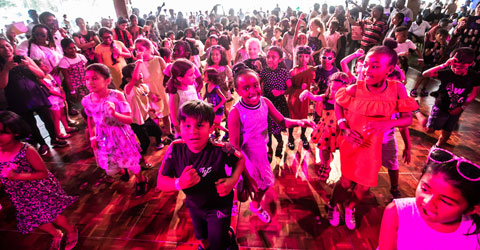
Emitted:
<point x="273" y="59"/>
<point x="302" y="40"/>
<point x="438" y="201"/>
<point x="460" y="68"/>
<point x="303" y="59"/>
<point x="216" y="56"/>
<point x="213" y="41"/>
<point x="70" y="50"/>
<point x="6" y="50"/>
<point x="5" y="136"/>
<point x="95" y="81"/>
<point x="195" y="133"/>
<point x="188" y="78"/>
<point x="333" y="28"/>
<point x="248" y="87"/>
<point x="278" y="33"/>
<point x="335" y="85"/>
<point x="143" y="51"/>
<point x="178" y="52"/>
<point x="327" y="58"/>
<point x="401" y="37"/>
<point x="253" y="50"/>
<point x="439" y="38"/>
<point x="376" y="67"/>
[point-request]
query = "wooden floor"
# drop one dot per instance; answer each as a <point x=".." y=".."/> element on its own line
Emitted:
<point x="109" y="217"/>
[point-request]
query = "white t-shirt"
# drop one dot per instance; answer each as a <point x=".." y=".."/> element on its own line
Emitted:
<point x="65" y="62"/>
<point x="47" y="55"/>
<point x="419" y="30"/>
<point x="405" y="47"/>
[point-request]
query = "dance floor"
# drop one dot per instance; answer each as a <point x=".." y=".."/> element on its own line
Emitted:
<point x="109" y="217"/>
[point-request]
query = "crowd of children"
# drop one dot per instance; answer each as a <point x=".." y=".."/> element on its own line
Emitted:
<point x="186" y="86"/>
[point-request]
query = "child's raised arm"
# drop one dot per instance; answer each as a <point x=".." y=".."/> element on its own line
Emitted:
<point x="308" y="95"/>
<point x="346" y="60"/>
<point x="388" y="229"/>
<point x="286" y="122"/>
<point x="433" y="72"/>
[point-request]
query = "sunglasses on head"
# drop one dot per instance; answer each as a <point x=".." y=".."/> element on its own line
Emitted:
<point x="468" y="170"/>
<point x="327" y="57"/>
<point x="304" y="50"/>
<point x="338" y="80"/>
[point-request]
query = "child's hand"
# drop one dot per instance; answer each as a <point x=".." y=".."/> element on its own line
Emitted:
<point x="224" y="186"/>
<point x="307" y="123"/>
<point x="305" y="95"/>
<point x="449" y="62"/>
<point x="10" y="65"/>
<point x="8" y="173"/>
<point x="258" y="65"/>
<point x="376" y="127"/>
<point x="277" y="92"/>
<point x="359" y="52"/>
<point x="110" y="108"/>
<point x="189" y="177"/>
<point x="456" y="111"/>
<point x="352" y="136"/>
<point x="407" y="155"/>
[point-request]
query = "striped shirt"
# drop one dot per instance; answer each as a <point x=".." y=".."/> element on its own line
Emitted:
<point x="372" y="31"/>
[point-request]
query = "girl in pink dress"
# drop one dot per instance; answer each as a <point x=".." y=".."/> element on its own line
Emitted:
<point x="111" y="137"/>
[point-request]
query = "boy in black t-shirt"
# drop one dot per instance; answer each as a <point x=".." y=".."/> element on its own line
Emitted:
<point x="196" y="166"/>
<point x="458" y="88"/>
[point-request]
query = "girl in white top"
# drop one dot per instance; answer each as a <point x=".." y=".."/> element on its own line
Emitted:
<point x="180" y="88"/>
<point x="444" y="214"/>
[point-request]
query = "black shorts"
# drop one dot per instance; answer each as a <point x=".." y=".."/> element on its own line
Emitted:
<point x="442" y="120"/>
<point x="212" y="224"/>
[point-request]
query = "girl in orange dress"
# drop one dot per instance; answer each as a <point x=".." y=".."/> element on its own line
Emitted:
<point x="302" y="78"/>
<point x="363" y="111"/>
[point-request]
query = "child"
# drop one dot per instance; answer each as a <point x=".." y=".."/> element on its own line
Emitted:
<point x="404" y="46"/>
<point x="276" y="81"/>
<point x="248" y="127"/>
<point x="435" y="53"/>
<point x="445" y="211"/>
<point x="112" y="140"/>
<point x="458" y="88"/>
<point x="72" y="66"/>
<point x="324" y="70"/>
<point x="332" y="37"/>
<point x="277" y="36"/>
<point x="327" y="131"/>
<point x="138" y="95"/>
<point x="360" y="56"/>
<point x="363" y="112"/>
<point x="152" y="68"/>
<point x="57" y="99"/>
<point x="217" y="59"/>
<point x="180" y="89"/>
<point x="302" y="78"/>
<point x="255" y="60"/>
<point x="215" y="97"/>
<point x="197" y="167"/>
<point x="38" y="198"/>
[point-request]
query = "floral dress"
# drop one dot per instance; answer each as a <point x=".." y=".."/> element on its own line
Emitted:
<point x="117" y="145"/>
<point x="37" y="202"/>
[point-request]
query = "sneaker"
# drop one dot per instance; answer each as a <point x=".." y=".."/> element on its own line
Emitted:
<point x="59" y="143"/>
<point x="43" y="149"/>
<point x="291" y="143"/>
<point x="350" y="221"/>
<point x="395" y="193"/>
<point x="333" y="215"/>
<point x="71" y="239"/>
<point x="262" y="214"/>
<point x="141" y="188"/>
<point x="413" y="93"/>
<point x="56" y="243"/>
<point x="125" y="176"/>
<point x="424" y="93"/>
<point x="305" y="143"/>
<point x="159" y="146"/>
